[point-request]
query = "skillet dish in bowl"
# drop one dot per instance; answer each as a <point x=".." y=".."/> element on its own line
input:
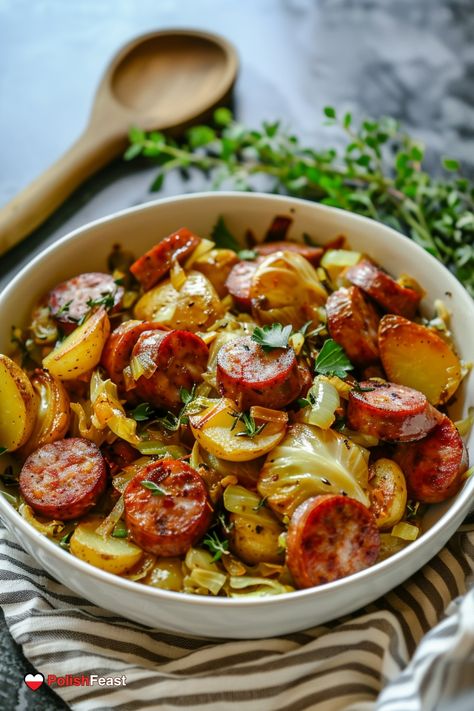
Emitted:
<point x="272" y="456"/>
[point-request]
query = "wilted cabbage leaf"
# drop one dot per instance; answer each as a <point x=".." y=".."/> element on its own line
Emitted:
<point x="286" y="289"/>
<point x="310" y="461"/>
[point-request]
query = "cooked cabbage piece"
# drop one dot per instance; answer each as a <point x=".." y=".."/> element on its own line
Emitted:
<point x="286" y="289"/>
<point x="311" y="461"/>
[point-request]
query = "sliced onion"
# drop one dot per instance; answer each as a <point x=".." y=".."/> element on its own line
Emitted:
<point x="204" y="246"/>
<point x="142" y="364"/>
<point x="406" y="531"/>
<point x="177" y="275"/>
<point x="108" y="524"/>
<point x="265" y="414"/>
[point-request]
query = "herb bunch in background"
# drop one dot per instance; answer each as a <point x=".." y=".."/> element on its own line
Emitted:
<point x="378" y="173"/>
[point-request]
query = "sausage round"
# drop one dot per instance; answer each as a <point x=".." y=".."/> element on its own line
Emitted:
<point x="156" y="263"/>
<point x="312" y="254"/>
<point x="180" y="358"/>
<point x="64" y="479"/>
<point x="71" y="300"/>
<point x="329" y="537"/>
<point x="167" y="524"/>
<point x="393" y="297"/>
<point x="434" y="466"/>
<point x="353" y="323"/>
<point x="250" y="376"/>
<point x="238" y="284"/>
<point x="119" y="345"/>
<point x="391" y="412"/>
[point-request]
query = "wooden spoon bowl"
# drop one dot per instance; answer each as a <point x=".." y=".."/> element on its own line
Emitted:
<point x="160" y="81"/>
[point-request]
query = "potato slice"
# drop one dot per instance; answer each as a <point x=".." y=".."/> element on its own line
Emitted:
<point x="219" y="433"/>
<point x="193" y="308"/>
<point x="114" y="555"/>
<point x="416" y="356"/>
<point x="18" y="405"/>
<point x="387" y="492"/>
<point x="253" y="542"/>
<point x="53" y="413"/>
<point x="81" y="350"/>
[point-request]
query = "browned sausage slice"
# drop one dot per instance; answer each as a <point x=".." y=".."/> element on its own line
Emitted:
<point x="312" y="254"/>
<point x="434" y="466"/>
<point x="353" y="323"/>
<point x="70" y="301"/>
<point x="393" y="413"/>
<point x="169" y="522"/>
<point x="250" y="376"/>
<point x="330" y="537"/>
<point x="393" y="297"/>
<point x="119" y="345"/>
<point x="180" y="358"/>
<point x="238" y="284"/>
<point x="156" y="263"/>
<point x="64" y="479"/>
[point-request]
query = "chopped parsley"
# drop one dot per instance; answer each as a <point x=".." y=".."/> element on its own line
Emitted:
<point x="274" y="336"/>
<point x="154" y="488"/>
<point x="332" y="360"/>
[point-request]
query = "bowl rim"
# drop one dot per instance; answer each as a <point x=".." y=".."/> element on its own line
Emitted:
<point x="458" y="509"/>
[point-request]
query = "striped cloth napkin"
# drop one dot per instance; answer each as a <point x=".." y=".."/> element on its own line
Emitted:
<point x="357" y="663"/>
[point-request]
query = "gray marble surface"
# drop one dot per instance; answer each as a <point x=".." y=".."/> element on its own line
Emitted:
<point x="412" y="59"/>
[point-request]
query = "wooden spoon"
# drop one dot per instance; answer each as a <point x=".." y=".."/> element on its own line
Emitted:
<point x="159" y="81"/>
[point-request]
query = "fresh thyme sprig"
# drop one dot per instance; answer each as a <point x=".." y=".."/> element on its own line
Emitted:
<point x="251" y="427"/>
<point x="378" y="173"/>
<point x="216" y="545"/>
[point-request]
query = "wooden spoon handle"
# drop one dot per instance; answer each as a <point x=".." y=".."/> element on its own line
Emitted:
<point x="39" y="199"/>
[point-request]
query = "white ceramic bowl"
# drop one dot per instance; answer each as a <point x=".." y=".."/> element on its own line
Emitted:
<point x="86" y="249"/>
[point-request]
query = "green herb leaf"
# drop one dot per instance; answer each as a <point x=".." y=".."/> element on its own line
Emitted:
<point x="332" y="360"/>
<point x="451" y="164"/>
<point x="65" y="540"/>
<point x="120" y="530"/>
<point x="215" y="545"/>
<point x="154" y="488"/>
<point x="223" y="238"/>
<point x="330" y="112"/>
<point x="143" y="411"/>
<point x="274" y="336"/>
<point x="251" y="428"/>
<point x="2" y="450"/>
<point x="248" y="254"/>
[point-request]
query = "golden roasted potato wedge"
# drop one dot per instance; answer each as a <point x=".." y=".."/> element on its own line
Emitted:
<point x="253" y="542"/>
<point x="387" y="492"/>
<point x="254" y="530"/>
<point x="220" y="432"/>
<point x="416" y="356"/>
<point x="216" y="266"/>
<point x="81" y="350"/>
<point x="115" y="555"/>
<point x="193" y="308"/>
<point x="53" y="413"/>
<point x="17" y="405"/>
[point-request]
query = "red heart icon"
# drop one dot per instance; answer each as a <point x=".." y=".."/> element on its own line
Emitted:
<point x="34" y="681"/>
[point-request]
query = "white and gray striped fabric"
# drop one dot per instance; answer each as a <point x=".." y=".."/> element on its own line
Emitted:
<point x="358" y="663"/>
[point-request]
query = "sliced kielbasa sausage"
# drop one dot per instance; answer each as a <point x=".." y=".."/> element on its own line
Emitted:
<point x="238" y="284"/>
<point x="393" y="413"/>
<point x="156" y="263"/>
<point x="119" y="345"/>
<point x="312" y="254"/>
<point x="329" y="537"/>
<point x="379" y="285"/>
<point x="353" y="323"/>
<point x="70" y="301"/>
<point x="167" y="520"/>
<point x="180" y="359"/>
<point x="64" y="479"/>
<point x="434" y="466"/>
<point x="248" y="375"/>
